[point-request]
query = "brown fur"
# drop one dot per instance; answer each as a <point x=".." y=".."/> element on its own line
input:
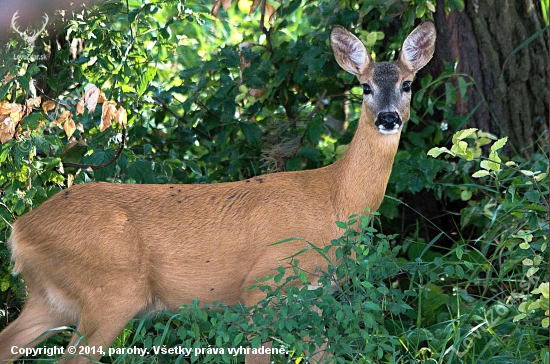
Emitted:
<point x="98" y="254"/>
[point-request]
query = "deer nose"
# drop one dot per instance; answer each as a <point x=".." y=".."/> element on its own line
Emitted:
<point x="388" y="122"/>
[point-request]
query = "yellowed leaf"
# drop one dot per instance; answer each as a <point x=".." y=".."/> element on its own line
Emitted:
<point x="108" y="112"/>
<point x="69" y="126"/>
<point x="120" y="117"/>
<point x="48" y="105"/>
<point x="91" y="95"/>
<point x="7" y="128"/>
<point x="80" y="107"/>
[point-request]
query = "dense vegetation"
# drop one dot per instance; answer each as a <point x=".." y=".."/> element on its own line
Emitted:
<point x="185" y="94"/>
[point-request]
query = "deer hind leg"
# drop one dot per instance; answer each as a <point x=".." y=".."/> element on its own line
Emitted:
<point x="30" y="328"/>
<point x="97" y="330"/>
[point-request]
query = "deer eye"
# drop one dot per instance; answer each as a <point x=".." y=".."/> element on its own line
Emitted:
<point x="367" y="89"/>
<point x="406" y="86"/>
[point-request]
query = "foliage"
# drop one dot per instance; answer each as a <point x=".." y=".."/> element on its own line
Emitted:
<point x="214" y="99"/>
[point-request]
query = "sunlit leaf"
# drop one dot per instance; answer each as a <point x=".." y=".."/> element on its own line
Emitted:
<point x="7" y="128"/>
<point x="91" y="95"/>
<point x="48" y="105"/>
<point x="108" y="112"/>
<point x="69" y="126"/>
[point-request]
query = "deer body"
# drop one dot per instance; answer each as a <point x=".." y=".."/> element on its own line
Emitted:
<point x="98" y="254"/>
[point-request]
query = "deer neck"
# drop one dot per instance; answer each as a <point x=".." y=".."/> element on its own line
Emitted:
<point x="363" y="172"/>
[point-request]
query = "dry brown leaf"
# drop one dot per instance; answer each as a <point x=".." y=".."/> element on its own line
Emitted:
<point x="216" y="8"/>
<point x="105" y="123"/>
<point x="66" y="114"/>
<point x="226" y="4"/>
<point x="91" y="95"/>
<point x="254" y="6"/>
<point x="120" y="117"/>
<point x="69" y="126"/>
<point x="256" y="93"/>
<point x="70" y="180"/>
<point x="80" y="107"/>
<point x="7" y="128"/>
<point x="29" y="103"/>
<point x="101" y="99"/>
<point x="48" y="105"/>
<point x="8" y="78"/>
<point x="7" y="108"/>
<point x="108" y="112"/>
<point x="244" y="62"/>
<point x="269" y="13"/>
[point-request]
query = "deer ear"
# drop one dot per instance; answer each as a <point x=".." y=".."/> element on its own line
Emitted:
<point x="349" y="51"/>
<point x="419" y="46"/>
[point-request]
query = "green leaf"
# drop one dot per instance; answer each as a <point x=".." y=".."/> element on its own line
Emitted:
<point x="193" y="166"/>
<point x="315" y="129"/>
<point x="142" y="172"/>
<point x="237" y="339"/>
<point x="462" y="86"/>
<point x="499" y="144"/>
<point x="459" y="252"/>
<point x="466" y="195"/>
<point x="490" y="165"/>
<point x="544" y="289"/>
<point x="481" y="173"/>
<point x="251" y="131"/>
<point x="341" y="225"/>
<point x="435" y="152"/>
<point x="463" y="134"/>
<point x="145" y="78"/>
<point x="256" y="342"/>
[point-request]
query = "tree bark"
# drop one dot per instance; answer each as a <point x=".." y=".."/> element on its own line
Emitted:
<point x="512" y="89"/>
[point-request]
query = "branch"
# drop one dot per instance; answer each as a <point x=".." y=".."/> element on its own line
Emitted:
<point x="264" y="30"/>
<point x="102" y="165"/>
<point x="180" y="118"/>
<point x="318" y="106"/>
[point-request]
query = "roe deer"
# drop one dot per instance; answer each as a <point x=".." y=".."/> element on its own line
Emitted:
<point x="147" y="247"/>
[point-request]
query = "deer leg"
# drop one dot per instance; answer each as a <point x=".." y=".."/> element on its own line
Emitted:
<point x="259" y="358"/>
<point x="95" y="334"/>
<point x="29" y="329"/>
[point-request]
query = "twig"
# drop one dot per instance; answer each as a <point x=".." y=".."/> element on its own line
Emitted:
<point x="11" y="213"/>
<point x="263" y="28"/>
<point x="182" y="119"/>
<point x="318" y="106"/>
<point x="102" y="165"/>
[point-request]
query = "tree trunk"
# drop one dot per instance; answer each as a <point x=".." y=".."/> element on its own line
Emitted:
<point x="513" y="102"/>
